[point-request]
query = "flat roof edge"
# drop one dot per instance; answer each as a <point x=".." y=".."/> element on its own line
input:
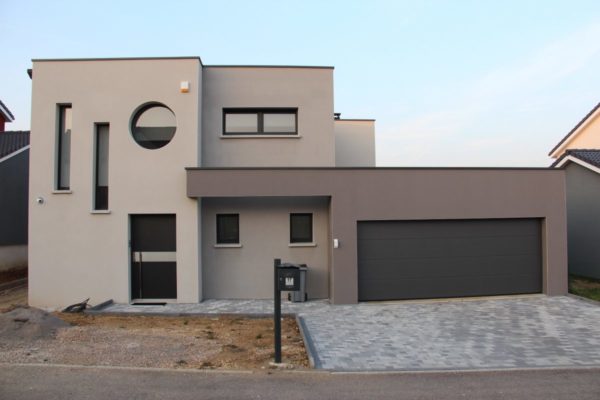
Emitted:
<point x="356" y="119"/>
<point x="116" y="59"/>
<point x="370" y="168"/>
<point x="271" y="66"/>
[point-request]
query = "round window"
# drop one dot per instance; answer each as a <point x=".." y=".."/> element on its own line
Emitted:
<point x="153" y="126"/>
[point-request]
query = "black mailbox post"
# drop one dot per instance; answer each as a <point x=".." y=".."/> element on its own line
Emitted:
<point x="287" y="278"/>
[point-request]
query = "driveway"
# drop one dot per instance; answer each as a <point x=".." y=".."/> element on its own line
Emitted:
<point x="524" y="332"/>
<point x="494" y="333"/>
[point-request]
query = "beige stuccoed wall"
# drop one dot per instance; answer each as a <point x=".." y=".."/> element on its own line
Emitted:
<point x="74" y="254"/>
<point x="588" y="137"/>
<point x="308" y="89"/>
<point x="354" y="143"/>
<point x="247" y="272"/>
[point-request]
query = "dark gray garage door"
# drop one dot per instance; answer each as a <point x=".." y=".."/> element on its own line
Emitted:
<point x="448" y="258"/>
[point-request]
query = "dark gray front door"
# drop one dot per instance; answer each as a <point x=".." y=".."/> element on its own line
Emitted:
<point x="153" y="257"/>
<point x="448" y="258"/>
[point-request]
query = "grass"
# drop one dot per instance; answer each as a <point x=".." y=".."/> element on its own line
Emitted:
<point x="584" y="287"/>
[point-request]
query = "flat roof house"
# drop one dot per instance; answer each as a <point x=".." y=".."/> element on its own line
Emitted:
<point x="166" y="179"/>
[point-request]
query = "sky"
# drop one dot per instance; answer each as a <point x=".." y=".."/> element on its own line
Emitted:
<point x="450" y="83"/>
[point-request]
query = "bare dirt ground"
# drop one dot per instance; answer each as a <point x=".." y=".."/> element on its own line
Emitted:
<point x="12" y="274"/>
<point x="10" y="298"/>
<point x="29" y="335"/>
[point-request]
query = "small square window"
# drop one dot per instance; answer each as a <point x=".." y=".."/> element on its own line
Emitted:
<point x="228" y="228"/>
<point x="301" y="228"/>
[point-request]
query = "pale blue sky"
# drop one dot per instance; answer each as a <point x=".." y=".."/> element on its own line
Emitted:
<point x="450" y="83"/>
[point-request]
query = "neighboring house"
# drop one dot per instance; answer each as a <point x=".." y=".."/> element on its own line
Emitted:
<point x="578" y="153"/>
<point x="164" y="179"/>
<point x="5" y="116"/>
<point x="14" y="178"/>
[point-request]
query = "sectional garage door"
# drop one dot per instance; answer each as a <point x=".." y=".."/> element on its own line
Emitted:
<point x="448" y="258"/>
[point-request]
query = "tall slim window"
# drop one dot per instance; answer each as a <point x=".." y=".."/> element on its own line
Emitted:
<point x="64" y="147"/>
<point x="101" y="168"/>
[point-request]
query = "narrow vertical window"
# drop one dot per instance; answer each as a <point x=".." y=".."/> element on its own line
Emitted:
<point x="64" y="147"/>
<point x="101" y="168"/>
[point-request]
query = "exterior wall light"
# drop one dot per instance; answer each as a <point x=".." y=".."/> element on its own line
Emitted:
<point x="184" y="87"/>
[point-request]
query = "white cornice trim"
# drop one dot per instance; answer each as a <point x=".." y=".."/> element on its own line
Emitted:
<point x="14" y="153"/>
<point x="563" y="147"/>
<point x="6" y="113"/>
<point x="577" y="161"/>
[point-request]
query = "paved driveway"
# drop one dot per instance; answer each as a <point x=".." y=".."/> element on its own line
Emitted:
<point x="518" y="332"/>
<point x="524" y="332"/>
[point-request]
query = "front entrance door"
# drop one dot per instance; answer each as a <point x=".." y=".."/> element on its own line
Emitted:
<point x="153" y="257"/>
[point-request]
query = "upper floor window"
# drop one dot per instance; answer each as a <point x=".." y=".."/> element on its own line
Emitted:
<point x="63" y="154"/>
<point x="153" y="125"/>
<point x="260" y="121"/>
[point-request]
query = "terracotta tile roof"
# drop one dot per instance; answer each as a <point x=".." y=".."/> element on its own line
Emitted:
<point x="575" y="128"/>
<point x="589" y="156"/>
<point x="11" y="141"/>
<point x="6" y="112"/>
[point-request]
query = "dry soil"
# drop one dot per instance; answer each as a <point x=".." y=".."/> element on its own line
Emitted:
<point x="29" y="335"/>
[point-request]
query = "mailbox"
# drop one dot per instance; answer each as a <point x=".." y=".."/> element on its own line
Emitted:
<point x="288" y="277"/>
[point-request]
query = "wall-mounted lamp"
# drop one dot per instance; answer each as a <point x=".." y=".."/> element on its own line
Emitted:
<point x="39" y="200"/>
<point x="336" y="243"/>
<point x="184" y="87"/>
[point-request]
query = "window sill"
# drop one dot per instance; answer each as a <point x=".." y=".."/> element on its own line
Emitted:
<point x="68" y="191"/>
<point x="100" y="212"/>
<point x="302" y="245"/>
<point x="261" y="136"/>
<point x="228" y="246"/>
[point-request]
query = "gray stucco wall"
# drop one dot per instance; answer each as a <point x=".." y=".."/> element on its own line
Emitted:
<point x="308" y="89"/>
<point x="407" y="194"/>
<point x="14" y="188"/>
<point x="246" y="272"/>
<point x="583" y="220"/>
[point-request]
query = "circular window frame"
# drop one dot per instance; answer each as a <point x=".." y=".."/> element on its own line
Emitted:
<point x="139" y="111"/>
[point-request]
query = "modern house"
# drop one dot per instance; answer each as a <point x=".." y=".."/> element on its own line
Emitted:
<point x="14" y="185"/>
<point x="578" y="153"/>
<point x="164" y="179"/>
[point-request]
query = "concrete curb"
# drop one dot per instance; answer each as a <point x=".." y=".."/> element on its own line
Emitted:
<point x="309" y="371"/>
<point x="13" y="284"/>
<point x="94" y="311"/>
<point x="309" y="345"/>
<point x="584" y="299"/>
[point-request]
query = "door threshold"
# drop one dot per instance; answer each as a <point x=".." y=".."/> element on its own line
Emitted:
<point x="152" y="302"/>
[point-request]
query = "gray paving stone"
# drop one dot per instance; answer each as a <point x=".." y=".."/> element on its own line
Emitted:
<point x="522" y="332"/>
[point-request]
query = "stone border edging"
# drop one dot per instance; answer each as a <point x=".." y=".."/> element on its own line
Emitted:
<point x="584" y="299"/>
<point x="309" y="345"/>
<point x="13" y="284"/>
